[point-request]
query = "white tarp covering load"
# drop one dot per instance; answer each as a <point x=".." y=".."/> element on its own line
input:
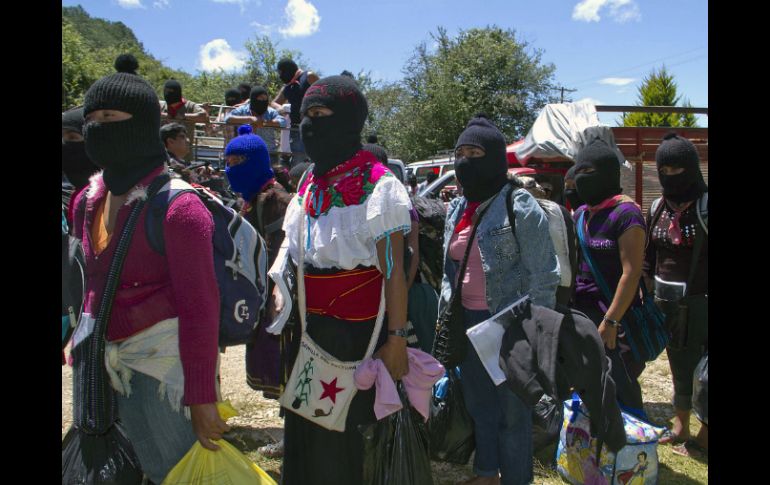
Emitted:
<point x="561" y="130"/>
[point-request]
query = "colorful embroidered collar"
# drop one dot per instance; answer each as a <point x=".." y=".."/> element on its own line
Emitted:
<point x="360" y="174"/>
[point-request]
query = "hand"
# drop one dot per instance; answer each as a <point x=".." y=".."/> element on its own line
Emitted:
<point x="393" y="355"/>
<point x="609" y="334"/>
<point x="275" y="304"/>
<point x="207" y="425"/>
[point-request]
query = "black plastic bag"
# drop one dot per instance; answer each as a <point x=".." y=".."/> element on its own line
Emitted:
<point x="700" y="390"/>
<point x="450" y="425"/>
<point x="104" y="459"/>
<point x="546" y="422"/>
<point x="396" y="448"/>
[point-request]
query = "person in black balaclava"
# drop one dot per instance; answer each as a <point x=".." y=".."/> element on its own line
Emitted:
<point x="676" y="255"/>
<point x="75" y="164"/>
<point x="172" y="91"/>
<point x="245" y="91"/>
<point x="597" y="172"/>
<point x="481" y="175"/>
<point x="679" y="169"/>
<point x="130" y="149"/>
<point x="175" y="106"/>
<point x="232" y="97"/>
<point x="296" y="83"/>
<point x="258" y="101"/>
<point x="286" y="70"/>
<point x="570" y="191"/>
<point x="501" y="268"/>
<point x="334" y="138"/>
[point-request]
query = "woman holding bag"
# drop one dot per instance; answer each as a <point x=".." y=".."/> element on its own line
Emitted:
<point x="612" y="227"/>
<point x="492" y="262"/>
<point x="345" y="231"/>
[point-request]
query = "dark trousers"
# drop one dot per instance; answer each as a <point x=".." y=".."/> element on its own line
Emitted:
<point x="684" y="360"/>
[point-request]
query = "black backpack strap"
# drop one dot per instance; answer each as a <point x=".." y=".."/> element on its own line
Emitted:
<point x="656" y="209"/>
<point x="511" y="215"/>
<point x="703" y="212"/>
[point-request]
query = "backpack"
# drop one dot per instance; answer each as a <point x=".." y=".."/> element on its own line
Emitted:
<point x="432" y="216"/>
<point x="240" y="260"/>
<point x="702" y="212"/>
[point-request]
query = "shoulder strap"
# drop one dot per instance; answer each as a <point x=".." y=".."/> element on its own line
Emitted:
<point x="464" y="264"/>
<point x="157" y="209"/>
<point x="97" y="411"/>
<point x="703" y="212"/>
<point x="511" y="215"/>
<point x="581" y="232"/>
<point x="656" y="208"/>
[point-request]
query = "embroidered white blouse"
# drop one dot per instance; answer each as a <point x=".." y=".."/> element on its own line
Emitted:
<point x="346" y="237"/>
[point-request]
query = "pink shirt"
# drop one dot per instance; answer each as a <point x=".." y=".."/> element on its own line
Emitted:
<point x="474" y="291"/>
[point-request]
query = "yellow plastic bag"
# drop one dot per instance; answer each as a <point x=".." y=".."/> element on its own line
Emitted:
<point x="226" y="466"/>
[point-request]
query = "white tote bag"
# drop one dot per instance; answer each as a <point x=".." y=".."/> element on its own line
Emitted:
<point x="321" y="387"/>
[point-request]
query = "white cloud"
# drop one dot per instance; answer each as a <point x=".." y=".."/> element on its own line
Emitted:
<point x="620" y="11"/>
<point x="131" y="4"/>
<point x="217" y="54"/>
<point x="617" y="81"/>
<point x="590" y="100"/>
<point x="264" y="29"/>
<point x="161" y="4"/>
<point x="302" y="19"/>
<point x="241" y="3"/>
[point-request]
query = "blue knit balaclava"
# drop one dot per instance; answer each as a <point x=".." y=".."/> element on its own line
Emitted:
<point x="248" y="177"/>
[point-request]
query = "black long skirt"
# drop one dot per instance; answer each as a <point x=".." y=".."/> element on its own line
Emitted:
<point x="314" y="455"/>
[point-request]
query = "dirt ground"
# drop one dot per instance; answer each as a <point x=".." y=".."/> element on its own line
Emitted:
<point x="259" y="423"/>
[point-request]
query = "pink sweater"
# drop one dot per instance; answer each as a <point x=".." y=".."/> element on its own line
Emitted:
<point x="474" y="291"/>
<point x="154" y="287"/>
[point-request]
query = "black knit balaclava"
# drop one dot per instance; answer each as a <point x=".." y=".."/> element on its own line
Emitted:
<point x="232" y="97"/>
<point x="604" y="181"/>
<point x="245" y="90"/>
<point x="172" y="91"/>
<point x="571" y="194"/>
<point x="127" y="150"/>
<point x="378" y="152"/>
<point x="286" y="70"/>
<point x="74" y="161"/>
<point x="679" y="152"/>
<point x="482" y="177"/>
<point x="332" y="140"/>
<point x="258" y="106"/>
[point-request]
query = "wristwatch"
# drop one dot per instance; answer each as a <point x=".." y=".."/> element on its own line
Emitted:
<point x="401" y="332"/>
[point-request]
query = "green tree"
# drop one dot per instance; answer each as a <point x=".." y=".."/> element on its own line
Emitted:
<point x="485" y="70"/>
<point x="263" y="58"/>
<point x="659" y="89"/>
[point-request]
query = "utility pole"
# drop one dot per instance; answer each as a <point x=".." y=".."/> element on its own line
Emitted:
<point x="563" y="89"/>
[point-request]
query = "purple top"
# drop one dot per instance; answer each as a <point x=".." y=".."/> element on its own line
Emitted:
<point x="604" y="229"/>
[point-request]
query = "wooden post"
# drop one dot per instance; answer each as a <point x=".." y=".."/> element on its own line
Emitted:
<point x="640" y="180"/>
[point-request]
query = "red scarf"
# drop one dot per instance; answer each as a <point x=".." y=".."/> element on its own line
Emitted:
<point x="611" y="202"/>
<point x="674" y="231"/>
<point x="467" y="218"/>
<point x="173" y="108"/>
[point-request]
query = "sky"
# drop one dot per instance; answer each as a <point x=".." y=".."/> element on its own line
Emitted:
<point x="601" y="48"/>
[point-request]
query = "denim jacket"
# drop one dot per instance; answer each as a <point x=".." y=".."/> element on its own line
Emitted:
<point x="512" y="267"/>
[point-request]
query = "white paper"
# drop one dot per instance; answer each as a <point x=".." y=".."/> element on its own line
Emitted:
<point x="84" y="329"/>
<point x="487" y="339"/>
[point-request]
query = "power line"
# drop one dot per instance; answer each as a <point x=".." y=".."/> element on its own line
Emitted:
<point x="586" y="81"/>
<point x="562" y="89"/>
